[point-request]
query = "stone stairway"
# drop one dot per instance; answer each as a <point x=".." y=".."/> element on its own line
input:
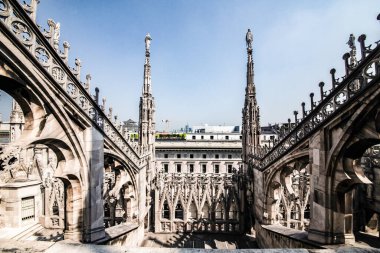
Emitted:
<point x="19" y="234"/>
<point x="28" y="232"/>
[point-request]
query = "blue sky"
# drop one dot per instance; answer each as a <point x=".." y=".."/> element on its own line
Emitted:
<point x="198" y="52"/>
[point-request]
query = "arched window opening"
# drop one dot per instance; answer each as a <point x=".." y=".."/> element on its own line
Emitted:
<point x="192" y="211"/>
<point x="307" y="212"/>
<point x="205" y="211"/>
<point x="166" y="211"/>
<point x="282" y="214"/>
<point x="233" y="213"/>
<point x="55" y="208"/>
<point x="219" y="212"/>
<point x="178" y="213"/>
<point x="294" y="213"/>
<point x="107" y="212"/>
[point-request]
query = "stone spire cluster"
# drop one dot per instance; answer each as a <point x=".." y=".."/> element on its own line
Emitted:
<point x="147" y="106"/>
<point x="251" y="113"/>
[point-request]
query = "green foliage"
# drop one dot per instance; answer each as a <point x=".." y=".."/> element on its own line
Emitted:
<point x="168" y="136"/>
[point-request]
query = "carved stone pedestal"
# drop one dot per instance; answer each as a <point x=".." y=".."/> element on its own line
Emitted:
<point x="21" y="203"/>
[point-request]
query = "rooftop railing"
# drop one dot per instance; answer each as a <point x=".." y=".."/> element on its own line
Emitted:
<point x="44" y="46"/>
<point x="359" y="76"/>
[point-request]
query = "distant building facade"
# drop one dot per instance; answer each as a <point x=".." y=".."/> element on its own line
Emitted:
<point x="197" y="187"/>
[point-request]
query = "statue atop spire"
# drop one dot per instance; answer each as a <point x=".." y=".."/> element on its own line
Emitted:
<point x="147" y="42"/>
<point x="249" y="39"/>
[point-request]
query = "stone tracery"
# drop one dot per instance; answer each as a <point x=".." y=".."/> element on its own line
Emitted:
<point x="197" y="202"/>
<point x="288" y="196"/>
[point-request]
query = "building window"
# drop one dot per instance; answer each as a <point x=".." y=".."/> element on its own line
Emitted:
<point x="178" y="168"/>
<point x="193" y="137"/>
<point x="166" y="168"/>
<point x="211" y="137"/>
<point x="202" y="137"/>
<point x="178" y="155"/>
<point x="166" y="156"/>
<point x="216" y="168"/>
<point x="204" y="168"/>
<point x="27" y="208"/>
<point x="178" y="214"/>
<point x="229" y="156"/>
<point x="307" y="212"/>
<point x="241" y="137"/>
<point x="227" y="137"/>
<point x="229" y="168"/>
<point x="191" y="155"/>
<point x="55" y="208"/>
<point x="216" y="156"/>
<point x="166" y="211"/>
<point x="204" y="156"/>
<point x="219" y="211"/>
<point x="191" y="168"/>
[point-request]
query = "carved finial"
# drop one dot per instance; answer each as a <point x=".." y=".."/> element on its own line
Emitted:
<point x="351" y="41"/>
<point x="321" y="84"/>
<point x="345" y="57"/>
<point x="103" y="104"/>
<point x="78" y="65"/>
<point x="49" y="34"/>
<point x="312" y="100"/>
<point x="66" y="47"/>
<point x="303" y="109"/>
<point x="295" y="116"/>
<point x="351" y="44"/>
<point x="97" y="95"/>
<point x="110" y="113"/>
<point x="88" y="81"/>
<point x="363" y="48"/>
<point x="57" y="34"/>
<point x="249" y="39"/>
<point x="333" y="80"/>
<point x="31" y="9"/>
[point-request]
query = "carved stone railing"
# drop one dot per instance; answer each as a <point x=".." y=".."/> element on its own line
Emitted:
<point x="44" y="47"/>
<point x="359" y="76"/>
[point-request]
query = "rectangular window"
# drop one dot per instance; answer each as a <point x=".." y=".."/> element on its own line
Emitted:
<point x="166" y="156"/>
<point x="227" y="137"/>
<point x="178" y="155"/>
<point x="27" y="209"/>
<point x="204" y="156"/>
<point x="241" y="137"/>
<point x="229" y="156"/>
<point x="216" y="168"/>
<point x="178" y="168"/>
<point x="193" y="137"/>
<point x="166" y="168"/>
<point x="229" y="168"/>
<point x="202" y="137"/>
<point x="204" y="168"/>
<point x="216" y="156"/>
<point x="191" y="155"/>
<point x="191" y="168"/>
<point x="211" y="137"/>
